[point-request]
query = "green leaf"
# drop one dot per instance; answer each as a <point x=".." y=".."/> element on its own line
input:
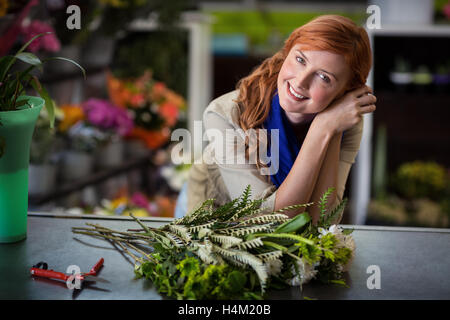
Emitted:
<point x="285" y="235"/>
<point x="11" y="59"/>
<point x="324" y="199"/>
<point x="68" y="60"/>
<point x="31" y="40"/>
<point x="29" y="58"/>
<point x="5" y="62"/>
<point x="340" y="283"/>
<point x="294" y="224"/>
<point x="49" y="104"/>
<point x="347" y="231"/>
<point x="236" y="281"/>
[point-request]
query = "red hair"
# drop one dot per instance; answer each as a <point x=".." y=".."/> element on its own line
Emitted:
<point x="332" y="33"/>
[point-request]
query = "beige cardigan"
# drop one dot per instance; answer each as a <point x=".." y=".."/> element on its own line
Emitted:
<point x="223" y="182"/>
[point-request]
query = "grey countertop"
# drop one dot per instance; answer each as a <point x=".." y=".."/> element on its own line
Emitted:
<point x="413" y="263"/>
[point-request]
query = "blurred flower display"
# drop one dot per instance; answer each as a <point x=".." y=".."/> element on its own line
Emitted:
<point x="72" y="113"/>
<point x="155" y="109"/>
<point x="48" y="42"/>
<point x="138" y="204"/>
<point x="103" y="114"/>
<point x="446" y="10"/>
<point x="94" y="122"/>
<point x="420" y="196"/>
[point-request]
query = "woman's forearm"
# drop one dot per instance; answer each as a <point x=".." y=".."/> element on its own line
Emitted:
<point x="328" y="176"/>
<point x="299" y="184"/>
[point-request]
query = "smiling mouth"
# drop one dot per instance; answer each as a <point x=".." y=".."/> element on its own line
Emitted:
<point x="296" y="96"/>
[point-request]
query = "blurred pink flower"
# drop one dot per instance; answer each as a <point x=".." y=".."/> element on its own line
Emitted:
<point x="446" y="10"/>
<point x="140" y="200"/>
<point x="105" y="115"/>
<point x="48" y="42"/>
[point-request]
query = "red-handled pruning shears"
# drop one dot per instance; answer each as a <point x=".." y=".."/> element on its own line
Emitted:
<point x="40" y="270"/>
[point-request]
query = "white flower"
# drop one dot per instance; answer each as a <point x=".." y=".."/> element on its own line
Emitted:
<point x="307" y="272"/>
<point x="343" y="241"/>
<point x="322" y="232"/>
<point x="274" y="267"/>
<point x="334" y="229"/>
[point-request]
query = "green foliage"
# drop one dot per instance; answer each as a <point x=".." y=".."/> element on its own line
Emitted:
<point x="190" y="279"/>
<point x="294" y="224"/>
<point x="420" y="179"/>
<point x="13" y="84"/>
<point x="235" y="251"/>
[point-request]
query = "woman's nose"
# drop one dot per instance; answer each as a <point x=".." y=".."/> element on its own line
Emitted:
<point x="302" y="80"/>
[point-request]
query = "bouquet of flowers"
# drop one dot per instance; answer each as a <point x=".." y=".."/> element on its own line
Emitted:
<point x="237" y="250"/>
<point x="155" y="109"/>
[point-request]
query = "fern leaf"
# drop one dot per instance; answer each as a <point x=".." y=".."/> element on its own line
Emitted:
<point x="244" y="198"/>
<point x="277" y="217"/>
<point x="205" y="254"/>
<point x="293" y="207"/>
<point x="225" y="241"/>
<point x="323" y="201"/>
<point x="181" y="231"/>
<point x="248" y="259"/>
<point x="203" y="209"/>
<point x="203" y="233"/>
<point x="202" y="226"/>
<point x="270" y="256"/>
<point x="252" y="208"/>
<point x="238" y="232"/>
<point x="178" y="242"/>
<point x="335" y="213"/>
<point x="250" y="244"/>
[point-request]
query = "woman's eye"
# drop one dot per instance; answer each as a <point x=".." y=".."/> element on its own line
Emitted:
<point x="324" y="77"/>
<point x="301" y="60"/>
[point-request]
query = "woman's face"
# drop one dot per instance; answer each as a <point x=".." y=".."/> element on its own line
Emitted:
<point x="309" y="81"/>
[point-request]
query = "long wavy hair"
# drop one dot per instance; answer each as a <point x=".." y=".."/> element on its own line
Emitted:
<point x="332" y="33"/>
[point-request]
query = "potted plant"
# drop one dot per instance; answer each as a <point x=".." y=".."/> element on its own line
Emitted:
<point x="18" y="115"/>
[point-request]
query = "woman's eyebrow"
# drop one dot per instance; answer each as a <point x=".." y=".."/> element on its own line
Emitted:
<point x="304" y="56"/>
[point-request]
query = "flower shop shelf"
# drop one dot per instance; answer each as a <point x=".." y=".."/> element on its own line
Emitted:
<point x="413" y="263"/>
<point x="143" y="163"/>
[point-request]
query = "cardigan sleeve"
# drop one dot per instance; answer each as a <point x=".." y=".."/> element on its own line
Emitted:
<point x="349" y="150"/>
<point x="235" y="174"/>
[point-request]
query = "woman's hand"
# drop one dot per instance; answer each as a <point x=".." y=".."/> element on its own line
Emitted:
<point x="347" y="111"/>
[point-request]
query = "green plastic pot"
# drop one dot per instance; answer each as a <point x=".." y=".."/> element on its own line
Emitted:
<point x="16" y="131"/>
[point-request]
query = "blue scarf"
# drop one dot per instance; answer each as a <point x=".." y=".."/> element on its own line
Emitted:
<point x="289" y="146"/>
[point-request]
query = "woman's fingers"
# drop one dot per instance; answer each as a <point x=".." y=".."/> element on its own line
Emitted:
<point x="362" y="91"/>
<point x="367" y="99"/>
<point x="367" y="109"/>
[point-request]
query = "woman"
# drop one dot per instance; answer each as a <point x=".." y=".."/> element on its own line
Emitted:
<point x="313" y="92"/>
